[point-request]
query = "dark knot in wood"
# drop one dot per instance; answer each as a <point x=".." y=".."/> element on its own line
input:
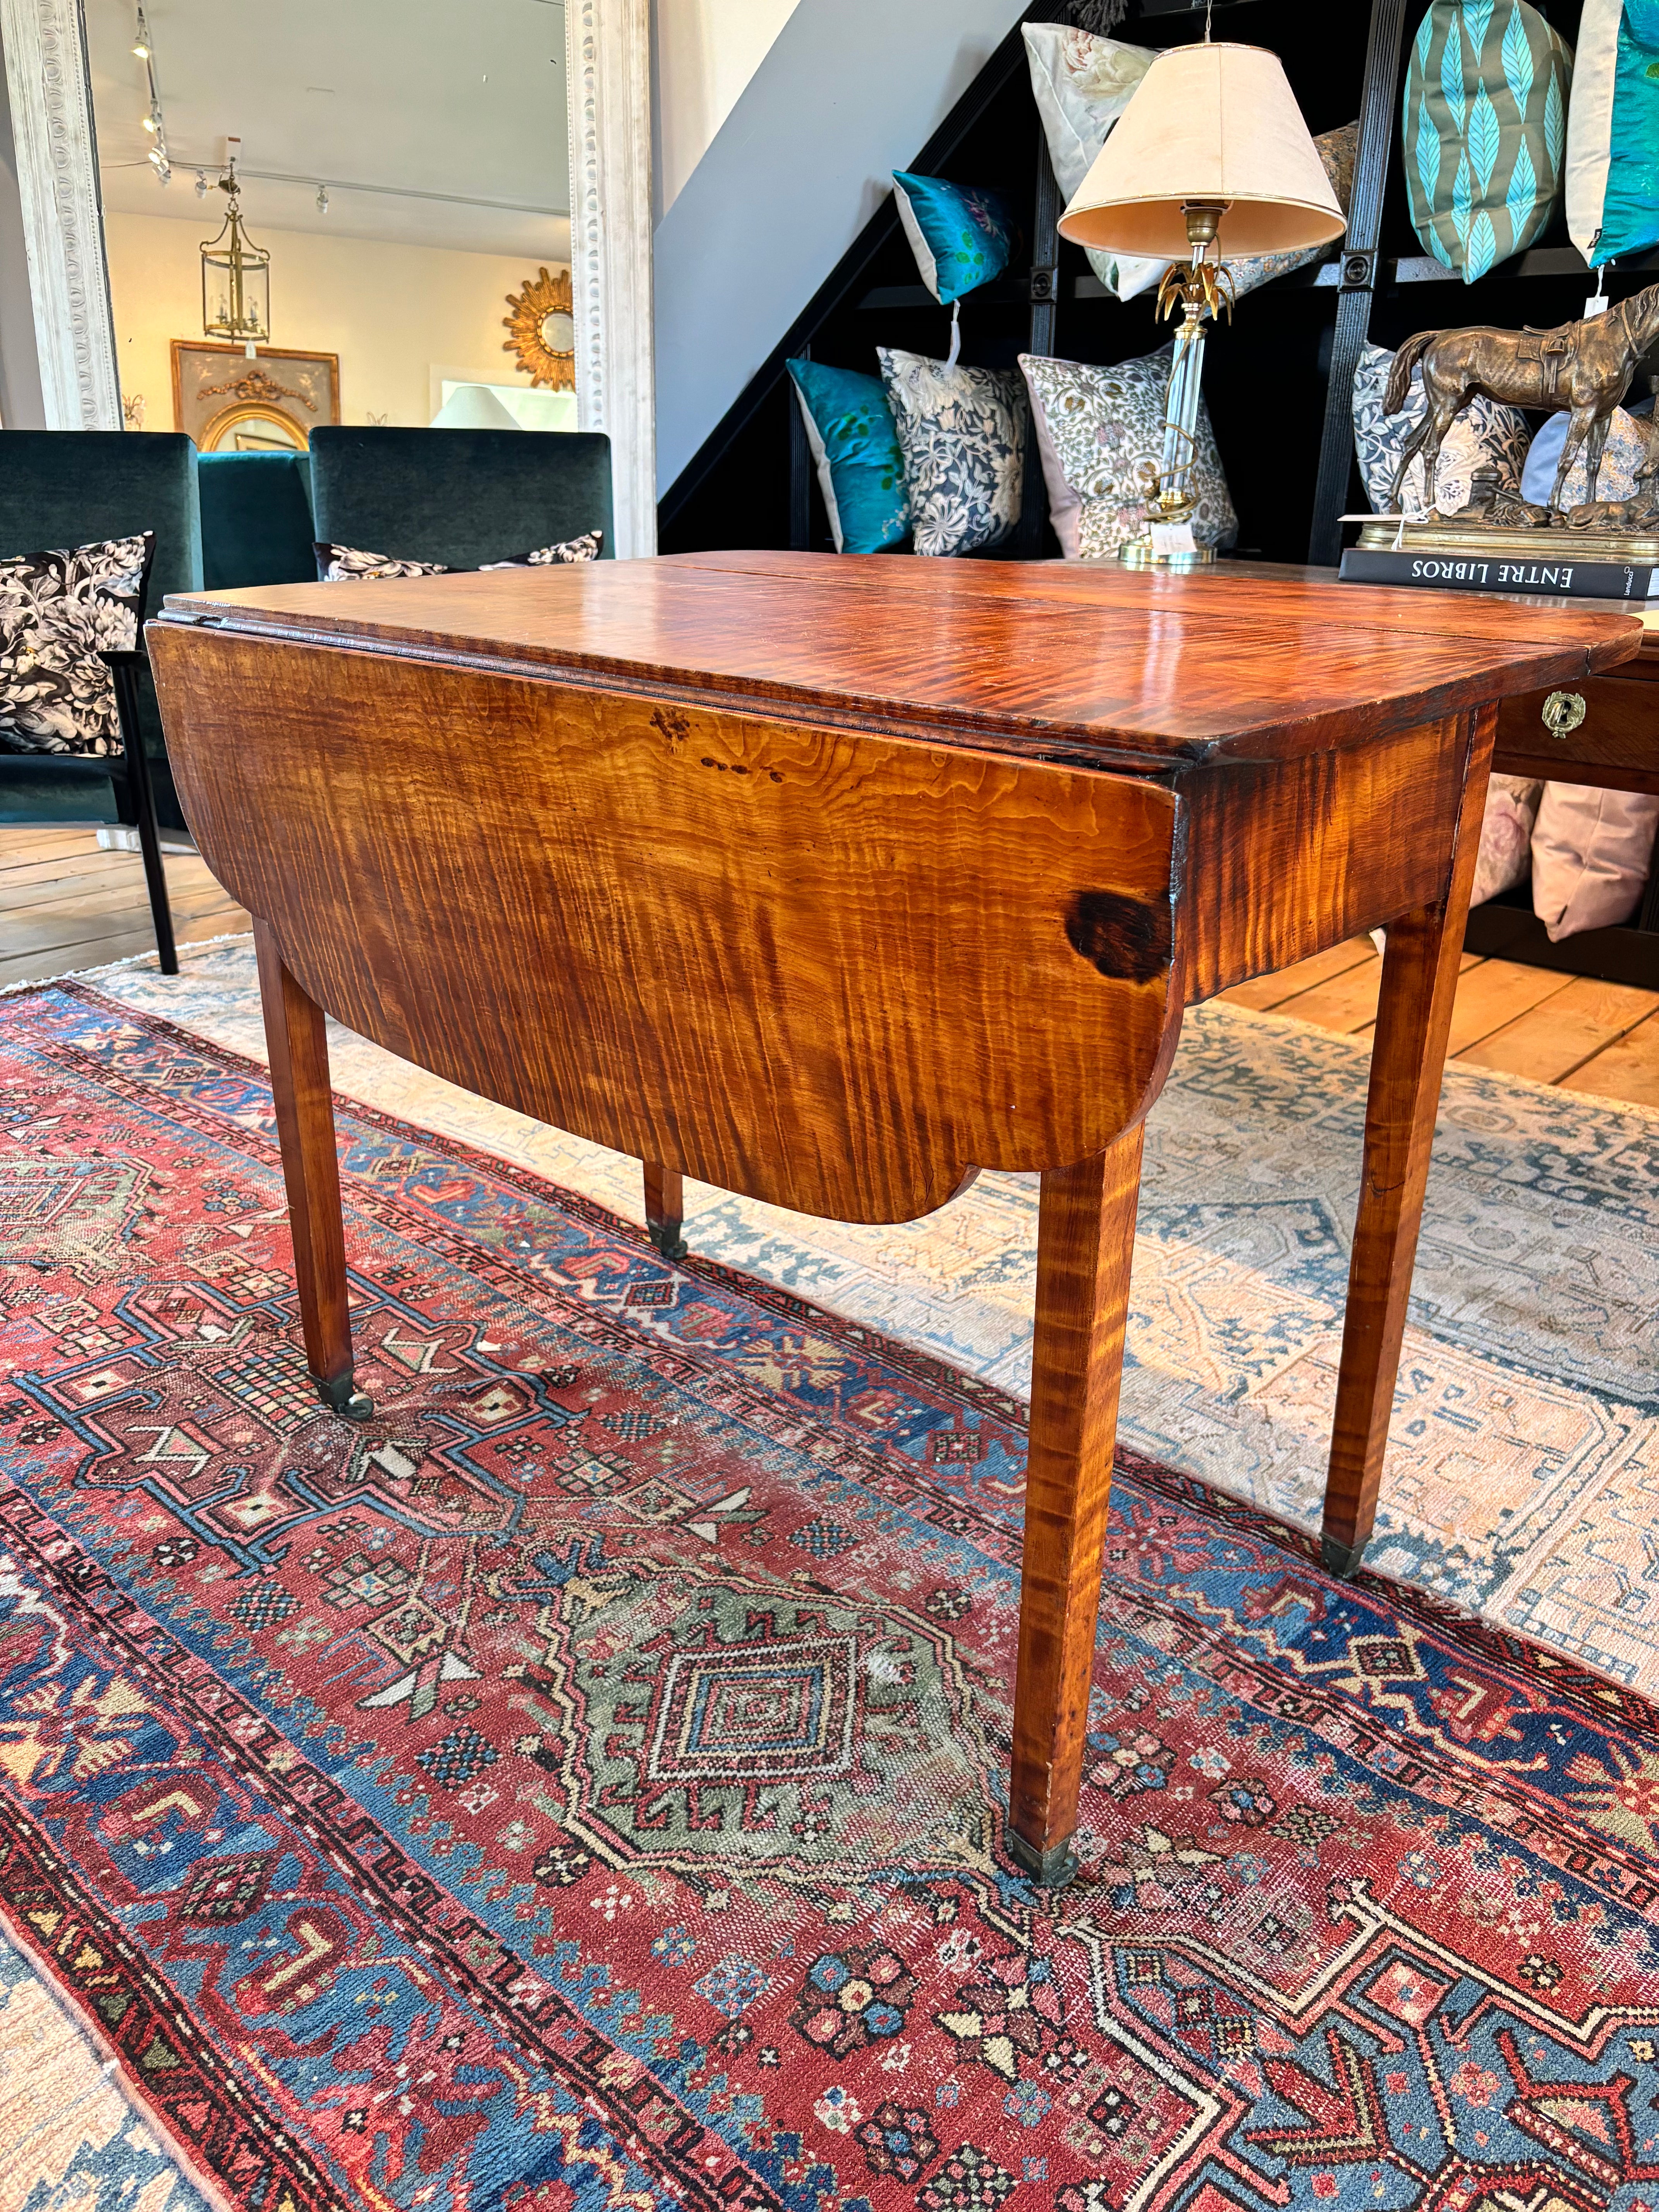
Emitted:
<point x="1120" y="936"/>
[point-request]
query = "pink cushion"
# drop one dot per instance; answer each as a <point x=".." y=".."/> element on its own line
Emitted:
<point x="1590" y="851"/>
<point x="1505" y="836"/>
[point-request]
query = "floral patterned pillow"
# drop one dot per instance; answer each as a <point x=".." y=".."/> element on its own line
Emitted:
<point x="962" y="432"/>
<point x="1099" y="430"/>
<point x="571" y="552"/>
<point x="59" y="611"/>
<point x="1082" y="85"/>
<point x="340" y="564"/>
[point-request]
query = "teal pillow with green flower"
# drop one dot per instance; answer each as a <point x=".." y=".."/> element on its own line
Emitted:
<point x="962" y="235"/>
<point x="1484" y="130"/>
<point x="856" y="452"/>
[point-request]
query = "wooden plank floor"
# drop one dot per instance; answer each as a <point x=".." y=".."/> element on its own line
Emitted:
<point x="1585" y="1035"/>
<point x="65" y="903"/>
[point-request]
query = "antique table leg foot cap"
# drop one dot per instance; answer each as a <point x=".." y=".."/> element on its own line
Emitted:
<point x="671" y="1245"/>
<point x="1049" y="1869"/>
<point x="345" y="1398"/>
<point x="1340" y="1559"/>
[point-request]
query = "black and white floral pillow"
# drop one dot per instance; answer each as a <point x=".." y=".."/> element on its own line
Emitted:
<point x="962" y="432"/>
<point x="341" y="564"/>
<point x="338" y="564"/>
<point x="59" y="611"/>
<point x="568" y="554"/>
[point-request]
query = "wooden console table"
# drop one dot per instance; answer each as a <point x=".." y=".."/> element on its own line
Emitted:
<point x="833" y="881"/>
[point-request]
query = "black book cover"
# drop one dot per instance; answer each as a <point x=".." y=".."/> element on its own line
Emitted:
<point x="1557" y="577"/>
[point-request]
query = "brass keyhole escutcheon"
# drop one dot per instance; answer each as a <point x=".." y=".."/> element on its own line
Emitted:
<point x="1563" y="712"/>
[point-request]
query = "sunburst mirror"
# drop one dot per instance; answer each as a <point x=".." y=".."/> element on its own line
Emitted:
<point x="542" y="330"/>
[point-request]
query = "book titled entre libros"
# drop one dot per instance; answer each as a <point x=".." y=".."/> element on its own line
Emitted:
<point x="1464" y="572"/>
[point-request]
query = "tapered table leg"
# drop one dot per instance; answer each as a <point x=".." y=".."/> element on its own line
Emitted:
<point x="1085" y="1243"/>
<point x="1409" y="1058"/>
<point x="664" y="1209"/>
<point x="298" y="1042"/>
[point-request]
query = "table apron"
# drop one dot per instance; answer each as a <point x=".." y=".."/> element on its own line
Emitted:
<point x="1285" y="859"/>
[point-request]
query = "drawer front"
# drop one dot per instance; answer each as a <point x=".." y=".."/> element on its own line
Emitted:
<point x="1618" y="733"/>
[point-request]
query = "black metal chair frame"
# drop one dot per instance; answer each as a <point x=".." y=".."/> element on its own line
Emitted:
<point x="133" y="770"/>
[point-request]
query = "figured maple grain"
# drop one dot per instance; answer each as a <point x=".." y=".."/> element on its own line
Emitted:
<point x="1421" y="965"/>
<point x="1085" y="1245"/>
<point x="297" y="1042"/>
<point x="833" y="972"/>
<point x="951" y="649"/>
<point x="1287" y="858"/>
<point x="1233" y="594"/>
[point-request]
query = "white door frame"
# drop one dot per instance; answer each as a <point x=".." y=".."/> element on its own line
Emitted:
<point x="47" y="84"/>
<point x="608" y="70"/>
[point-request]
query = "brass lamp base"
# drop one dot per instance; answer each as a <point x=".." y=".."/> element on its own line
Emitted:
<point x="1139" y="553"/>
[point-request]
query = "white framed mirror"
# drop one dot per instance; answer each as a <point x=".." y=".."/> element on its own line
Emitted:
<point x="425" y="179"/>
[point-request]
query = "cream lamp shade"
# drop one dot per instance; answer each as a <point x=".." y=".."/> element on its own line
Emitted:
<point x="1207" y="123"/>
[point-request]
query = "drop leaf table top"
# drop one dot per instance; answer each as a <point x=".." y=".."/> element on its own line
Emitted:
<point x="832" y="881"/>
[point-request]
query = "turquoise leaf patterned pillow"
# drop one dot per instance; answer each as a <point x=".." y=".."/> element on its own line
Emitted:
<point x="856" y="452"/>
<point x="1484" y="129"/>
<point x="961" y="235"/>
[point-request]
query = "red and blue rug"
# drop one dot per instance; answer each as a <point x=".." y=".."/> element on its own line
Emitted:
<point x="584" y="1787"/>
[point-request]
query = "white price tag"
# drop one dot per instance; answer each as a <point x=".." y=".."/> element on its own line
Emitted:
<point x="1598" y="306"/>
<point x="1173" y="537"/>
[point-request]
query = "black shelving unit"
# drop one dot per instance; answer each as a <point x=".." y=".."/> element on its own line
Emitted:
<point x="1278" y="378"/>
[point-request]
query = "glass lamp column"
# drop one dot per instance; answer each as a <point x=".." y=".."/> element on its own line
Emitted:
<point x="1200" y="288"/>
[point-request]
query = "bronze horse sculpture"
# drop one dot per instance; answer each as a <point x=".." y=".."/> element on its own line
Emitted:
<point x="1582" y="369"/>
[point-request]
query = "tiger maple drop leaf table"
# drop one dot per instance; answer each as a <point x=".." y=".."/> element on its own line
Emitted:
<point x="833" y="881"/>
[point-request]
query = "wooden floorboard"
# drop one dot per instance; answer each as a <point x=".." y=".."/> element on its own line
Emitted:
<point x="1265" y="993"/>
<point x="66" y="904"/>
<point x="1568" y="1029"/>
<point x="1626" y="1070"/>
<point x="1601" y="1038"/>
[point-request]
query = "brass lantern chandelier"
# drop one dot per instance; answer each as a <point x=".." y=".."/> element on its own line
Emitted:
<point x="235" y="273"/>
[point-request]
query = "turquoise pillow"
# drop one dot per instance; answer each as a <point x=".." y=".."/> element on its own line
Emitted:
<point x="855" y="449"/>
<point x="1484" y="128"/>
<point x="961" y="235"/>
<point x="1613" y="146"/>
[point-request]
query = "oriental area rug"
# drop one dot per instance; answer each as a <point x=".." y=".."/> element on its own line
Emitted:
<point x="584" y="1786"/>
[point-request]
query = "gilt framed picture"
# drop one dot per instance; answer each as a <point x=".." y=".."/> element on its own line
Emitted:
<point x="270" y="405"/>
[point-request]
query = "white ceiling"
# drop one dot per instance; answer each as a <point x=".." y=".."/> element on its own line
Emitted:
<point x="453" y="110"/>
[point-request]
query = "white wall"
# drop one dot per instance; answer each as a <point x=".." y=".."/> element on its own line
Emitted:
<point x="395" y="314"/>
<point x="848" y="91"/>
<point x="705" y="53"/>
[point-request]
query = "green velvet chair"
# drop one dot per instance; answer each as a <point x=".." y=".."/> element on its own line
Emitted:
<point x="459" y="496"/>
<point x="75" y="487"/>
<point x="256" y="519"/>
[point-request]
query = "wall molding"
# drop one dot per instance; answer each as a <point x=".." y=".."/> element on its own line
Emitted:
<point x="48" y="83"/>
<point x="608" y="69"/>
